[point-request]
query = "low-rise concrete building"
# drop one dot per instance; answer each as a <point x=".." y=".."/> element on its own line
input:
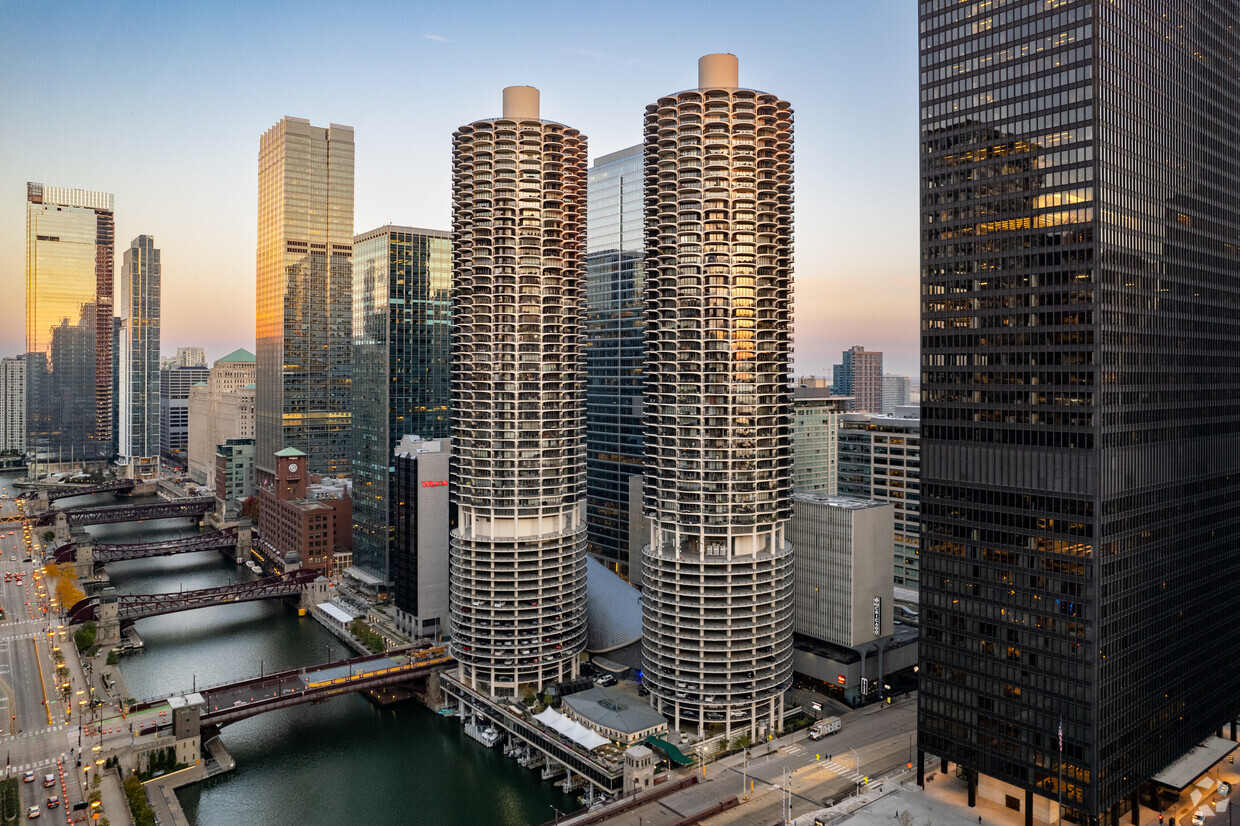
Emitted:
<point x="617" y="715"/>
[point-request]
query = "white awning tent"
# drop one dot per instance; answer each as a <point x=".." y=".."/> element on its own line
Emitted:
<point x="579" y="734"/>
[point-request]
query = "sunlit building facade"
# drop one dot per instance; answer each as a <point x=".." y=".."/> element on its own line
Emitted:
<point x="69" y="268"/>
<point x="717" y="607"/>
<point x="615" y="349"/>
<point x="518" y="560"/>
<point x="1080" y="364"/>
<point x="138" y="347"/>
<point x="304" y="318"/>
<point x="402" y="279"/>
<point x="13" y="404"/>
<point x="860" y="376"/>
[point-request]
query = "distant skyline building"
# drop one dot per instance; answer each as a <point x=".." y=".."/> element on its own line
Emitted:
<point x="1080" y="429"/>
<point x="518" y="612"/>
<point x="897" y="392"/>
<point x="69" y="268"/>
<point x="880" y="459"/>
<point x="138" y="407"/>
<point x="860" y="376"/>
<point x="220" y="411"/>
<point x="303" y="323"/>
<point x="190" y="357"/>
<point x="615" y="350"/>
<point x="402" y="280"/>
<point x="13" y="403"/>
<point x="717" y="574"/>
<point x="175" y="384"/>
<point x="419" y="555"/>
<point x="815" y="440"/>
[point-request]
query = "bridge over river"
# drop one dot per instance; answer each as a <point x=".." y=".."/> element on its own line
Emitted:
<point x="233" y="702"/>
<point x="133" y="607"/>
<point x="107" y="514"/>
<point x="102" y="553"/>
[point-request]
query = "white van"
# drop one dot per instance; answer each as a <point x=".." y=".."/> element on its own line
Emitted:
<point x="825" y="726"/>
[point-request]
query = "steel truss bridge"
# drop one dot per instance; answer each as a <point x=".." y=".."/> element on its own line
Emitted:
<point x="59" y="492"/>
<point x="107" y="514"/>
<point x="103" y="553"/>
<point x="133" y="607"/>
<point x="241" y="700"/>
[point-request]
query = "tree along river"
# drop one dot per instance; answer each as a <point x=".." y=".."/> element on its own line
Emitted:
<point x="343" y="761"/>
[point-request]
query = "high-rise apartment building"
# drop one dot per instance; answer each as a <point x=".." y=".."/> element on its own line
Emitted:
<point x="518" y="565"/>
<point x="304" y="323"/>
<point x="860" y="376"/>
<point x="138" y="348"/>
<point x="815" y="439"/>
<point x="897" y="391"/>
<point x="880" y="459"/>
<point x="175" y="384"/>
<point x="717" y="607"/>
<point x="69" y="261"/>
<point x="220" y="411"/>
<point x="13" y="404"/>
<point x="190" y="357"/>
<point x="1080" y="359"/>
<point x="615" y="350"/>
<point x="402" y="279"/>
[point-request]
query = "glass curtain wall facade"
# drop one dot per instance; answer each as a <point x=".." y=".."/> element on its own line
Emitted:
<point x="401" y="282"/>
<point x="138" y="442"/>
<point x="518" y="560"/>
<point x="69" y="261"/>
<point x="1080" y="369"/>
<point x="615" y="350"/>
<point x="717" y="605"/>
<point x="304" y="320"/>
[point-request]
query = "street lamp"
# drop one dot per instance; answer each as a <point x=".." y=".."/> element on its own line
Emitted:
<point x="557" y="814"/>
<point x="857" y="780"/>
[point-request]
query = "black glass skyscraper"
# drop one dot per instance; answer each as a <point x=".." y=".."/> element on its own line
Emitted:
<point x="615" y="349"/>
<point x="1080" y="390"/>
<point x="402" y="277"/>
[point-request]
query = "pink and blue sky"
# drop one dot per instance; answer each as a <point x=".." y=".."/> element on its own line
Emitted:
<point x="163" y="104"/>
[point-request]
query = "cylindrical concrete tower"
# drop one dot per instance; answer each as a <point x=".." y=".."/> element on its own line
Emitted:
<point x="717" y="610"/>
<point x="517" y="568"/>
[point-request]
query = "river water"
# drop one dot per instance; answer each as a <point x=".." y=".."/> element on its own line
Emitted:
<point x="344" y="761"/>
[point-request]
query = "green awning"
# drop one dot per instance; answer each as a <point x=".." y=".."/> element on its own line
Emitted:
<point x="673" y="753"/>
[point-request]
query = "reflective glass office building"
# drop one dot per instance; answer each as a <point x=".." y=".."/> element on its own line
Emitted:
<point x="304" y="320"/>
<point x="615" y="350"/>
<point x="1080" y="392"/>
<point x="401" y="282"/>
<point x="69" y="260"/>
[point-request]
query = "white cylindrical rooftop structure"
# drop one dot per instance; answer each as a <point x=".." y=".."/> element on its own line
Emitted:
<point x="718" y="71"/>
<point x="520" y="103"/>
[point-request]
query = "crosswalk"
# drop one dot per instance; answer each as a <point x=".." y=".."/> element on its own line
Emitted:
<point x="26" y="735"/>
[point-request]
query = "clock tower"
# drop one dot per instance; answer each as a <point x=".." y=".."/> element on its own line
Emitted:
<point x="290" y="474"/>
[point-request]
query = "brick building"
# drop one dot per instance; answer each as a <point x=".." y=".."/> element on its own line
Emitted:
<point x="299" y="526"/>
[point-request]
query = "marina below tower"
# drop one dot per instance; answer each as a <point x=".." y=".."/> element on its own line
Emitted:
<point x="517" y="567"/>
<point x="717" y="574"/>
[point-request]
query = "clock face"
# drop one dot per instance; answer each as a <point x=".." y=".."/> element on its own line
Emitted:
<point x="292" y="468"/>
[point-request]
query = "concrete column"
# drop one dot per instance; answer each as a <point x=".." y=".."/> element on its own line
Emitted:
<point x="1028" y="807"/>
<point x="1233" y="730"/>
<point x="972" y="776"/>
<point x="942" y="766"/>
<point x="921" y="768"/>
<point x="1135" y="803"/>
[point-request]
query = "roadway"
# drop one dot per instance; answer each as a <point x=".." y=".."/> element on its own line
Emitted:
<point x="35" y="734"/>
<point x="878" y="739"/>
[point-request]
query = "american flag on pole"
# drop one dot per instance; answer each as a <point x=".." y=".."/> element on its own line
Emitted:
<point x="1061" y="735"/>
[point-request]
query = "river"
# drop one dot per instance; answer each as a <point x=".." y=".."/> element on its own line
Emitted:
<point x="340" y="762"/>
